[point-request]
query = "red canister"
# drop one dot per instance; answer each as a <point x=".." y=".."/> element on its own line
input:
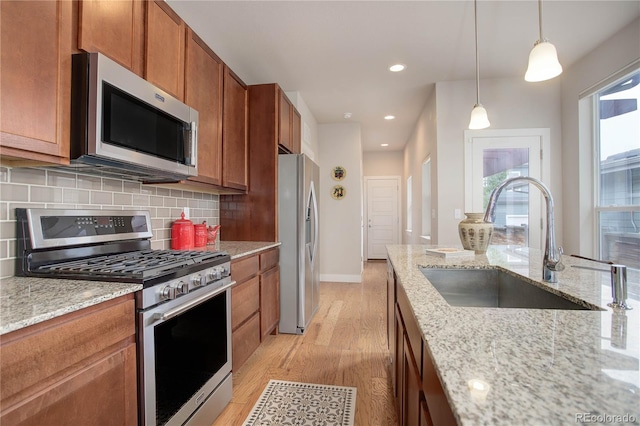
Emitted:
<point x="200" y="234"/>
<point x="182" y="234"/>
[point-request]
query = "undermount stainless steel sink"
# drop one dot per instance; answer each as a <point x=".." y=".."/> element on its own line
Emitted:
<point x="493" y="288"/>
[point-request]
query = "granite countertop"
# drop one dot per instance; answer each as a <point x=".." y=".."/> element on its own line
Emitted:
<point x="26" y="301"/>
<point x="530" y="366"/>
<point x="237" y="249"/>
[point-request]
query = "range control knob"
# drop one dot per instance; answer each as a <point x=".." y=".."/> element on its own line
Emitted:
<point x="182" y="288"/>
<point x="168" y="293"/>
<point x="197" y="280"/>
<point x="215" y="274"/>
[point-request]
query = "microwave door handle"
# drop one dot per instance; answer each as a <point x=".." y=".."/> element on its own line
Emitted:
<point x="194" y="149"/>
<point x="191" y="148"/>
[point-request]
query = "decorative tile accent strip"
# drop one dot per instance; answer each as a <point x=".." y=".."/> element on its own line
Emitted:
<point x="293" y="403"/>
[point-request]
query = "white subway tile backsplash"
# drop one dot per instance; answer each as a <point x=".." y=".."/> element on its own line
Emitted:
<point x="41" y="188"/>
<point x="156" y="201"/>
<point x="61" y="180"/>
<point x="165" y="192"/>
<point x="11" y="192"/>
<point x="141" y="200"/>
<point x="111" y="185"/>
<point x="75" y="196"/>
<point x="89" y="182"/>
<point x="122" y="199"/>
<point x="132" y="187"/>
<point x="45" y="194"/>
<point x="101" y="197"/>
<point x="30" y="176"/>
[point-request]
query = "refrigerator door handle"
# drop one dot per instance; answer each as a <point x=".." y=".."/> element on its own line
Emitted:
<point x="314" y="204"/>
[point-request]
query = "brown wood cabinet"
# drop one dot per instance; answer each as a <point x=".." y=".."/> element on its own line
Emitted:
<point x="204" y="72"/>
<point x="289" y="128"/>
<point x="269" y="292"/>
<point x="35" y="80"/>
<point x="234" y="132"/>
<point x="164" y="48"/>
<point x="255" y="302"/>
<point x="253" y="217"/>
<point x="285" y="134"/>
<point x="79" y="368"/>
<point x="115" y="29"/>
<point x="296" y="130"/>
<point x="420" y="399"/>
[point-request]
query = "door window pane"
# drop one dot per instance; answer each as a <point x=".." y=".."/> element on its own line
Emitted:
<point x="511" y="225"/>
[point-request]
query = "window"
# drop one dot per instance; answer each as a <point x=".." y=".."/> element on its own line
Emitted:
<point x="409" y="189"/>
<point x="617" y="171"/>
<point x="426" y="198"/>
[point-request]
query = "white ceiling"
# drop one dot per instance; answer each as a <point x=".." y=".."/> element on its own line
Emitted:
<point x="336" y="54"/>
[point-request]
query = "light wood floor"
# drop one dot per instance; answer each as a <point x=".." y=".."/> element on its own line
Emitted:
<point x="345" y="345"/>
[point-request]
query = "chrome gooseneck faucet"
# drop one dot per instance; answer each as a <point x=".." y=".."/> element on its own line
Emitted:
<point x="551" y="263"/>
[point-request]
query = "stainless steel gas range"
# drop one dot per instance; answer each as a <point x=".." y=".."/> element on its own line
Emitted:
<point x="183" y="311"/>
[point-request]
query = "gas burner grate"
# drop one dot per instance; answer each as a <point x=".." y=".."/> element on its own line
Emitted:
<point x="142" y="265"/>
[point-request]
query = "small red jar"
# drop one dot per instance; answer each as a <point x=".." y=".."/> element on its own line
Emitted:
<point x="182" y="234"/>
<point x="200" y="234"/>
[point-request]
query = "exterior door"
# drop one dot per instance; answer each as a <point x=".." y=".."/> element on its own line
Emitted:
<point x="492" y="157"/>
<point x="382" y="215"/>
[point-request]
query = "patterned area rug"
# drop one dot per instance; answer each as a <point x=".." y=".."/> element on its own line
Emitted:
<point x="292" y="403"/>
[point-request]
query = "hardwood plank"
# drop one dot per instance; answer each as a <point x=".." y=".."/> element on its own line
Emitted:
<point x="345" y="345"/>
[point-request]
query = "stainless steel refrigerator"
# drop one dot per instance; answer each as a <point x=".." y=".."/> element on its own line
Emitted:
<point x="298" y="178"/>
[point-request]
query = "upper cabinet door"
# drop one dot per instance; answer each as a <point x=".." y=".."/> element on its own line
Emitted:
<point x="165" y="46"/>
<point x="284" y="128"/>
<point x="35" y="80"/>
<point x="234" y="136"/>
<point x="114" y="28"/>
<point x="234" y="132"/>
<point x="203" y="91"/>
<point x="296" y="133"/>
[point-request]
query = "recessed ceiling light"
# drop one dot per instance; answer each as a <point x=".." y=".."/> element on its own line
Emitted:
<point x="397" y="67"/>
<point x="384" y="144"/>
<point x="347" y="115"/>
<point x="389" y="117"/>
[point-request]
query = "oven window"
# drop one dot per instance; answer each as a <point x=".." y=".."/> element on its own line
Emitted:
<point x="189" y="350"/>
<point x="133" y="124"/>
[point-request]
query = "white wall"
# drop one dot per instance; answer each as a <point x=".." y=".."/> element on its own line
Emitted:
<point x="511" y="103"/>
<point x="382" y="163"/>
<point x="309" y="126"/>
<point x="340" y="220"/>
<point x="604" y="61"/>
<point x="421" y="143"/>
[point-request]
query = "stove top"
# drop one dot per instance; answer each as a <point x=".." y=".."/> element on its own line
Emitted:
<point x="137" y="266"/>
<point x="101" y="245"/>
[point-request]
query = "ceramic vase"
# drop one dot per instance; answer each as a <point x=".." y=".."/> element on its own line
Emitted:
<point x="475" y="233"/>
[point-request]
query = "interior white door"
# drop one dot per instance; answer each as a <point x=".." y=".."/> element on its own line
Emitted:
<point x="491" y="158"/>
<point x="382" y="215"/>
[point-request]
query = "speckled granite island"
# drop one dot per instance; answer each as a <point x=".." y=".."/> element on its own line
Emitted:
<point x="533" y="366"/>
<point x="27" y="301"/>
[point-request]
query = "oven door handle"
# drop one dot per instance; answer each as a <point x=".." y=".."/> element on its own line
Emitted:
<point x="163" y="316"/>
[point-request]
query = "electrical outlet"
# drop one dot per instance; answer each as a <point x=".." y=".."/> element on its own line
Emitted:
<point x="457" y="214"/>
<point x="186" y="212"/>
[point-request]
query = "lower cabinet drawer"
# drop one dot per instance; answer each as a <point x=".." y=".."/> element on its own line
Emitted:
<point x="245" y="341"/>
<point x="245" y="301"/>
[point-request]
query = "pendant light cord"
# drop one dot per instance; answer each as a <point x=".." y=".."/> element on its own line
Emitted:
<point x="540" y="19"/>
<point x="475" y="10"/>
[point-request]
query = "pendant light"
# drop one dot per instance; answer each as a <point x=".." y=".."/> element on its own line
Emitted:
<point x="479" y="119"/>
<point x="543" y="59"/>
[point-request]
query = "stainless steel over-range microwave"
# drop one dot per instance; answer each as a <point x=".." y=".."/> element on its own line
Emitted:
<point x="124" y="126"/>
